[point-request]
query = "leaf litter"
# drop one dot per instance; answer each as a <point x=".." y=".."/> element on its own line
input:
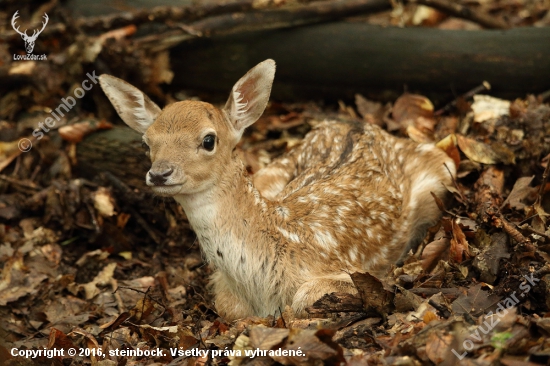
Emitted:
<point x="101" y="264"/>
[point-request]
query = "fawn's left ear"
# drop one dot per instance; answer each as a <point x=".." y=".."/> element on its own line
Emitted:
<point x="249" y="96"/>
<point x="132" y="105"/>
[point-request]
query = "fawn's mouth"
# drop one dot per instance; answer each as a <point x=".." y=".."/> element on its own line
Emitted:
<point x="167" y="190"/>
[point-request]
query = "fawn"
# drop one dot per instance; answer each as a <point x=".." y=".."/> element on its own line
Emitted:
<point x="350" y="198"/>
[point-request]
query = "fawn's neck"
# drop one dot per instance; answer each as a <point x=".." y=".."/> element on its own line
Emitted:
<point x="229" y="220"/>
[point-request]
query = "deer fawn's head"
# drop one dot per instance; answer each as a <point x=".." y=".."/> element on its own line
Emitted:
<point x="191" y="143"/>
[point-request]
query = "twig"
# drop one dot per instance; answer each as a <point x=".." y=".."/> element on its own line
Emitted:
<point x="543" y="96"/>
<point x="451" y="293"/>
<point x="511" y="230"/>
<point x="442" y="310"/>
<point x="533" y="231"/>
<point x="527" y="219"/>
<point x="542" y="184"/>
<point x="122" y="187"/>
<point x="120" y="303"/>
<point x="478" y="89"/>
<point x="542" y="271"/>
<point x="20" y="183"/>
<point x="141" y="221"/>
<point x="464" y="12"/>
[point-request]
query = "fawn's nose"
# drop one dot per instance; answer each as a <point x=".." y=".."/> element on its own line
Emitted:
<point x="160" y="176"/>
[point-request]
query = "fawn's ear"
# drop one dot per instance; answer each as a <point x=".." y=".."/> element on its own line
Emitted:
<point x="249" y="96"/>
<point x="134" y="107"/>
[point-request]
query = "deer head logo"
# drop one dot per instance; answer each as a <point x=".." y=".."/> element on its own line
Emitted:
<point x="29" y="40"/>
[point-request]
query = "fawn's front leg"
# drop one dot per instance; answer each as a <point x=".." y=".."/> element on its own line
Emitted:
<point x="228" y="305"/>
<point x="314" y="289"/>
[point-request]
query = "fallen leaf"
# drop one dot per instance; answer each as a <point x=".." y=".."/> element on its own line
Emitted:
<point x="427" y="16"/>
<point x="477" y="151"/>
<point x="59" y="340"/>
<point x="77" y="131"/>
<point x="486" y="107"/>
<point x="488" y="261"/>
<point x="449" y="145"/>
<point x="267" y="338"/>
<point x="372" y="112"/>
<point x="104" y="202"/>
<point x="475" y="302"/>
<point x="305" y="341"/>
<point x="520" y="191"/>
<point x="459" y="245"/>
<point x="438" y="347"/>
<point x="434" y="252"/>
<point x="414" y="110"/>
<point x="375" y="294"/>
<point x="103" y="278"/>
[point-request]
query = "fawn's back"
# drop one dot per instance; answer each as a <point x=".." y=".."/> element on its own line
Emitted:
<point x="358" y="196"/>
<point x="349" y="198"/>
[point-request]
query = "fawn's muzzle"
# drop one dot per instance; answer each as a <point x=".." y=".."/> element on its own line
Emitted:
<point x="159" y="177"/>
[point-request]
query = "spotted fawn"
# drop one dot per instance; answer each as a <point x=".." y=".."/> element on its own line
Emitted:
<point x="349" y="198"/>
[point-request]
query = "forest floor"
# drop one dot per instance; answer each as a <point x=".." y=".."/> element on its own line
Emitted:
<point x="99" y="266"/>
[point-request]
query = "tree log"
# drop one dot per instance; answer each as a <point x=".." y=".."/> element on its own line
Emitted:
<point x="337" y="60"/>
<point x="117" y="151"/>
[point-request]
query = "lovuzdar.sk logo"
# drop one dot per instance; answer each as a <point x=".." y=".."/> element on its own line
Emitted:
<point x="29" y="40"/>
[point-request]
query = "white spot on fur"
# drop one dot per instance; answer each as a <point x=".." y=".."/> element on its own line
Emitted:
<point x="353" y="254"/>
<point x="290" y="236"/>
<point x="283" y="211"/>
<point x="425" y="148"/>
<point x="325" y="239"/>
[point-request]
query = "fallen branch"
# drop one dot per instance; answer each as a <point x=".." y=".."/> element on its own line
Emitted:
<point x="315" y="12"/>
<point x="464" y="12"/>
<point x="141" y="16"/>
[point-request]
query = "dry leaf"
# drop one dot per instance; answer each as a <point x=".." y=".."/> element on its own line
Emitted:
<point x="372" y="112"/>
<point x="437" y="347"/>
<point x="104" y="202"/>
<point x="414" y="110"/>
<point x="449" y="145"/>
<point x="488" y="261"/>
<point x="306" y="342"/>
<point x="475" y="302"/>
<point x="486" y="107"/>
<point x="521" y="190"/>
<point x="103" y="278"/>
<point x="459" y="245"/>
<point x="434" y="252"/>
<point x="76" y="132"/>
<point x="267" y="338"/>
<point x="477" y="151"/>
<point x="429" y="316"/>
<point x="376" y="295"/>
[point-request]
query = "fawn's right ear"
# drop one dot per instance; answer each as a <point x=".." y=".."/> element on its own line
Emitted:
<point x="135" y="108"/>
<point x="249" y="97"/>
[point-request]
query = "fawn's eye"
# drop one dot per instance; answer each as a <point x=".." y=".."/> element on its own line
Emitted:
<point x="208" y="142"/>
<point x="145" y="147"/>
